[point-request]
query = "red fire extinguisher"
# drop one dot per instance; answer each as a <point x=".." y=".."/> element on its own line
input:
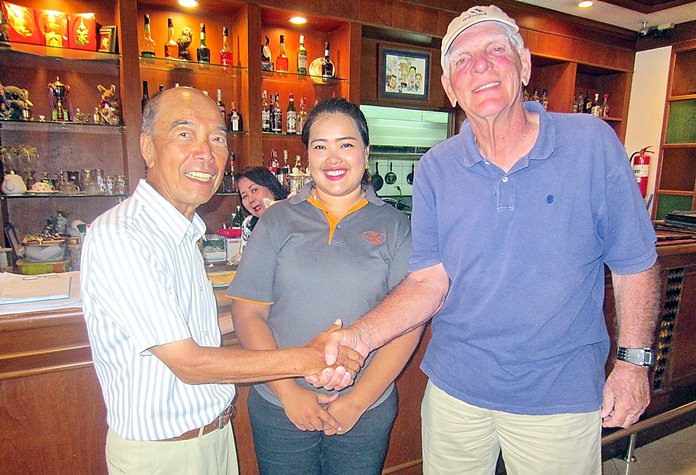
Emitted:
<point x="640" y="161"/>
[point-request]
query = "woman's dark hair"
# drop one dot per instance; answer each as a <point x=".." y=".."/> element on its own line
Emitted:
<point x="263" y="177"/>
<point x="339" y="105"/>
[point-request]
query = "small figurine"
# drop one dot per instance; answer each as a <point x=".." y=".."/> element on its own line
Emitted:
<point x="109" y="108"/>
<point x="184" y="42"/>
<point x="4" y="30"/>
<point x="57" y="92"/>
<point x="15" y="101"/>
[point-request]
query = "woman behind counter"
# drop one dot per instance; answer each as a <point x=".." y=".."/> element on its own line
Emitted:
<point x="332" y="251"/>
<point x="257" y="188"/>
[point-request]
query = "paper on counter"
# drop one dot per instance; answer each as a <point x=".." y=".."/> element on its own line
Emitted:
<point x="40" y="294"/>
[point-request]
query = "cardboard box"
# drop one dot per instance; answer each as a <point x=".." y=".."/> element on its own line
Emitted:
<point x="82" y="33"/>
<point x="22" y="24"/>
<point x="53" y="26"/>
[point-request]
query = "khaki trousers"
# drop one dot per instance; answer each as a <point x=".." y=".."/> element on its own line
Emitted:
<point x="459" y="438"/>
<point x="213" y="454"/>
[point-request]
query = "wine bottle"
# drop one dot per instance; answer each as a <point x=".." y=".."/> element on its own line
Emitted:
<point x="146" y="97"/>
<point x="235" y="119"/>
<point x="596" y="108"/>
<point x="171" y="49"/>
<point x="588" y="103"/>
<point x="291" y="116"/>
<point x="302" y="57"/>
<point x="203" y="52"/>
<point x="282" y="63"/>
<point x="265" y="113"/>
<point x="225" y="52"/>
<point x="328" y="70"/>
<point x="147" y="48"/>
<point x="221" y="105"/>
<point x="277" y="116"/>
<point x="238" y="218"/>
<point x="301" y="117"/>
<point x="604" y="112"/>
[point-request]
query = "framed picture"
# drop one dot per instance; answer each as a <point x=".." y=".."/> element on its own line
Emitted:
<point x="404" y="74"/>
<point x="107" y="39"/>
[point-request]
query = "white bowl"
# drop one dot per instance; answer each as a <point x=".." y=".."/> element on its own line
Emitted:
<point x="47" y="251"/>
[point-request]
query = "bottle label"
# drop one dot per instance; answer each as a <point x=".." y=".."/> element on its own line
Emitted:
<point x="234" y="123"/>
<point x="302" y="64"/>
<point x="291" y="122"/>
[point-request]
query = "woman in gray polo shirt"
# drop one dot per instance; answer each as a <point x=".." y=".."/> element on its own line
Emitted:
<point x="332" y="251"/>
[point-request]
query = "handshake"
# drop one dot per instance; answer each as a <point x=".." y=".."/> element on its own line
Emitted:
<point x="339" y="353"/>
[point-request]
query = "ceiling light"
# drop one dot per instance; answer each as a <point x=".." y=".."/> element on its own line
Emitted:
<point x="585" y="4"/>
<point x="298" y="20"/>
<point x="188" y="3"/>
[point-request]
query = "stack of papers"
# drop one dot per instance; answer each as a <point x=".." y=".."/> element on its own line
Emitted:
<point x="31" y="293"/>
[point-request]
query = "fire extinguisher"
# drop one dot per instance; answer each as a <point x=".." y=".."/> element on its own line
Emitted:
<point x="640" y="161"/>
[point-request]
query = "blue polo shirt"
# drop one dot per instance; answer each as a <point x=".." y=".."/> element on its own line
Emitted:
<point x="522" y="328"/>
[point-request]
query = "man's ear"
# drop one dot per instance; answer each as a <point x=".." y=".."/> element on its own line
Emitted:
<point x="448" y="90"/>
<point x="147" y="149"/>
<point x="526" y="71"/>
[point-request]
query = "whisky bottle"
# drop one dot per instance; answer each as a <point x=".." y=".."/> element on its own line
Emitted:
<point x="265" y="113"/>
<point x="235" y="119"/>
<point x="301" y="57"/>
<point x="203" y="52"/>
<point x="604" y="111"/>
<point x="588" y="103"/>
<point x="146" y="97"/>
<point x="535" y="95"/>
<point x="328" y="70"/>
<point x="147" y="48"/>
<point x="266" y="61"/>
<point x="277" y="116"/>
<point x="282" y="63"/>
<point x="301" y="117"/>
<point x="171" y="49"/>
<point x="291" y="116"/>
<point x="225" y="52"/>
<point x="581" y="102"/>
<point x="544" y="99"/>
<point x="525" y="94"/>
<point x="221" y="105"/>
<point x="596" y="108"/>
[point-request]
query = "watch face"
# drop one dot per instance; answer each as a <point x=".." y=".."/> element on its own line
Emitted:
<point x="636" y="356"/>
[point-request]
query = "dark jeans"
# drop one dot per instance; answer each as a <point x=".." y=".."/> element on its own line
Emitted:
<point x="282" y="448"/>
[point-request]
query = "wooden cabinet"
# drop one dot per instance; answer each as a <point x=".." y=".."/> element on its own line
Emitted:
<point x="676" y="176"/>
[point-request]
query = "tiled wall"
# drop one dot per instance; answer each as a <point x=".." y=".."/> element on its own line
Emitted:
<point x="401" y="168"/>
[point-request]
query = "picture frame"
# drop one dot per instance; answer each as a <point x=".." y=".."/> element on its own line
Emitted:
<point x="107" y="41"/>
<point x="404" y="74"/>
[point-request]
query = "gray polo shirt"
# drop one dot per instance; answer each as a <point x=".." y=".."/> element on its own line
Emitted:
<point x="312" y="270"/>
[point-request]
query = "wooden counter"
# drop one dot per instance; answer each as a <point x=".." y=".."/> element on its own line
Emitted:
<point x="53" y="420"/>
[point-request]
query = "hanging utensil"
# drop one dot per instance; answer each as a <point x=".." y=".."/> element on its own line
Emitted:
<point x="377" y="181"/>
<point x="409" y="177"/>
<point x="390" y="177"/>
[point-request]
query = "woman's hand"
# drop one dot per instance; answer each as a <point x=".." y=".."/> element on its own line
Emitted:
<point x="305" y="409"/>
<point x="346" y="412"/>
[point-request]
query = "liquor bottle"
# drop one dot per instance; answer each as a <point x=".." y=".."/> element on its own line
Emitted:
<point x="265" y="113"/>
<point x="272" y="112"/>
<point x="171" y="49"/>
<point x="544" y="99"/>
<point x="282" y="63"/>
<point x="328" y="70"/>
<point x="221" y="105"/>
<point x="266" y="61"/>
<point x="525" y="94"/>
<point x="161" y="88"/>
<point x="535" y="95"/>
<point x="302" y="57"/>
<point x="147" y="48"/>
<point x="203" y="52"/>
<point x="596" y="108"/>
<point x="284" y="171"/>
<point x="238" y="218"/>
<point x="604" y="111"/>
<point x="273" y="162"/>
<point x="301" y="117"/>
<point x="235" y="119"/>
<point x="226" y="51"/>
<point x="291" y="116"/>
<point x="581" y="102"/>
<point x="588" y="103"/>
<point x="146" y="97"/>
<point x="277" y="116"/>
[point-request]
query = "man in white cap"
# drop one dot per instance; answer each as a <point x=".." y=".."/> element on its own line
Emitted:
<point x="513" y="221"/>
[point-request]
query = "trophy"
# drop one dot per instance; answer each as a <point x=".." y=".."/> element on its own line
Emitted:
<point x="56" y="97"/>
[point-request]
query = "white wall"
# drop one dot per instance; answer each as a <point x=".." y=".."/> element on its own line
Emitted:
<point x="647" y="105"/>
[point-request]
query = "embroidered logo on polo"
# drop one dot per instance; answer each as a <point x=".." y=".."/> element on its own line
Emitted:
<point x="373" y="237"/>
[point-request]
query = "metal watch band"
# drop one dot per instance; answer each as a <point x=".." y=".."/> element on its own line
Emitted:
<point x="636" y="356"/>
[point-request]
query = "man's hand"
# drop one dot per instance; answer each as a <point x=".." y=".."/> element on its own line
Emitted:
<point x="626" y="395"/>
<point x="306" y="409"/>
<point x="346" y="363"/>
<point x="337" y="342"/>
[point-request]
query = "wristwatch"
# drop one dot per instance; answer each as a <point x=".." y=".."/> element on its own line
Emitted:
<point x="636" y="356"/>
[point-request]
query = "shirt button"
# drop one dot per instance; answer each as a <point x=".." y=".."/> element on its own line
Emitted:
<point x="505" y="179"/>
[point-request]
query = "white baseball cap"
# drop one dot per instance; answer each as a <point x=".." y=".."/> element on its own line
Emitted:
<point x="473" y="16"/>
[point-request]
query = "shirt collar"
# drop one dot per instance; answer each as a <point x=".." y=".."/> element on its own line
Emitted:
<point x="306" y="191"/>
<point x="166" y="217"/>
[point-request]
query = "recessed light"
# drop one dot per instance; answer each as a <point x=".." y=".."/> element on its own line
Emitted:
<point x="298" y="20"/>
<point x="188" y="3"/>
<point x="585" y="4"/>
